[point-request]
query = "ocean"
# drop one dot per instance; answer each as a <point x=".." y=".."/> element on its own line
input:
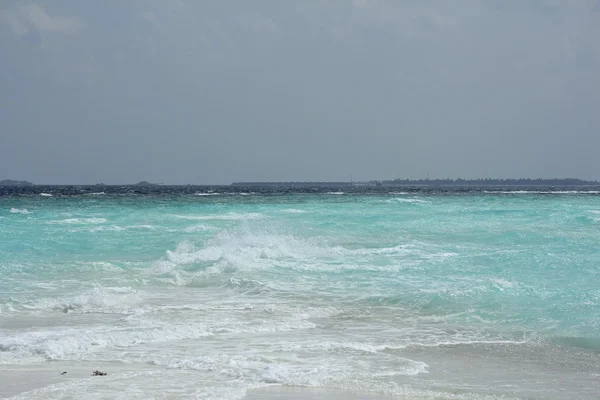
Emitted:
<point x="487" y="293"/>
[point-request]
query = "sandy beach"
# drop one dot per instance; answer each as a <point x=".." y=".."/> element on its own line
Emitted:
<point x="24" y="382"/>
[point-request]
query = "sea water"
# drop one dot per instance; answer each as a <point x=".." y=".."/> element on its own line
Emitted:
<point x="477" y="295"/>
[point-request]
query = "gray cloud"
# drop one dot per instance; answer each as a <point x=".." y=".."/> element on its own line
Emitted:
<point x="30" y="16"/>
<point x="186" y="91"/>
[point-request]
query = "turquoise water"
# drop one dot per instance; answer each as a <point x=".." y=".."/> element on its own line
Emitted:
<point x="420" y="296"/>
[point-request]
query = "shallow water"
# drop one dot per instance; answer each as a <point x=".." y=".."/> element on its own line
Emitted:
<point x="421" y="295"/>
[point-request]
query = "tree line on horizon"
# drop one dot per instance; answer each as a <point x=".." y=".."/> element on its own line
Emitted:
<point x="398" y="181"/>
<point x="497" y="181"/>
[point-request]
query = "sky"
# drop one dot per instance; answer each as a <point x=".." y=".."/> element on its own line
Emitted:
<point x="212" y="92"/>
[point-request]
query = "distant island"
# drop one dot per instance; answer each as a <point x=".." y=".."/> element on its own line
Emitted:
<point x="146" y="183"/>
<point x="10" y="182"/>
<point x="510" y="182"/>
<point x="432" y="182"/>
<point x="495" y="182"/>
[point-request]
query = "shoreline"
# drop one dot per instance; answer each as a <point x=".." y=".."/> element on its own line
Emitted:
<point x="19" y="380"/>
<point x="308" y="393"/>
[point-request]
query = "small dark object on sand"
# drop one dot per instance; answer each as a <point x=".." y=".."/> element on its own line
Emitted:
<point x="98" y="373"/>
<point x="64" y="373"/>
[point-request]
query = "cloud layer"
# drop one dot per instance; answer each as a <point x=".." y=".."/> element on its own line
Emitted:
<point x="29" y="16"/>
<point x="186" y="91"/>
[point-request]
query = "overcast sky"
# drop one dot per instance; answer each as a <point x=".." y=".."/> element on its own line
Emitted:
<point x="187" y="91"/>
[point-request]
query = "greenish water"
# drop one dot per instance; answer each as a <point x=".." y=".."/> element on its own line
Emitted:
<point x="431" y="296"/>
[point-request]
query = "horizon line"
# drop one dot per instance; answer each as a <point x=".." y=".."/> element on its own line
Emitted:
<point x="13" y="182"/>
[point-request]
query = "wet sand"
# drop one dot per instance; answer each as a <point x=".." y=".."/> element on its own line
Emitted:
<point x="299" y="393"/>
<point x="19" y="380"/>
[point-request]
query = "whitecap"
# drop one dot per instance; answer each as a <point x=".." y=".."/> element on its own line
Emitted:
<point x="45" y="195"/>
<point x="595" y="215"/>
<point x="197" y="228"/>
<point x="80" y="221"/>
<point x="103" y="228"/>
<point x="223" y="217"/>
<point x="19" y="211"/>
<point x="542" y="191"/>
<point x="143" y="226"/>
<point x="405" y="200"/>
<point x="503" y="284"/>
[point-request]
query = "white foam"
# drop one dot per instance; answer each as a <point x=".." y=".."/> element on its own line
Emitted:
<point x="207" y="194"/>
<point x="80" y="221"/>
<point x="19" y="211"/>
<point x="222" y="217"/>
<point x="462" y="342"/>
<point x="328" y="371"/>
<point x="143" y="226"/>
<point x="98" y="194"/>
<point x="294" y="211"/>
<point x="99" y="299"/>
<point x="405" y="200"/>
<point x="542" y="191"/>
<point x="335" y="193"/>
<point x="104" y="228"/>
<point x="198" y="228"/>
<point x="503" y="284"/>
<point x="249" y="250"/>
<point x="80" y="343"/>
<point x="332" y="372"/>
<point x="335" y="346"/>
<point x="45" y="195"/>
<point x="240" y="250"/>
<point x="98" y="226"/>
